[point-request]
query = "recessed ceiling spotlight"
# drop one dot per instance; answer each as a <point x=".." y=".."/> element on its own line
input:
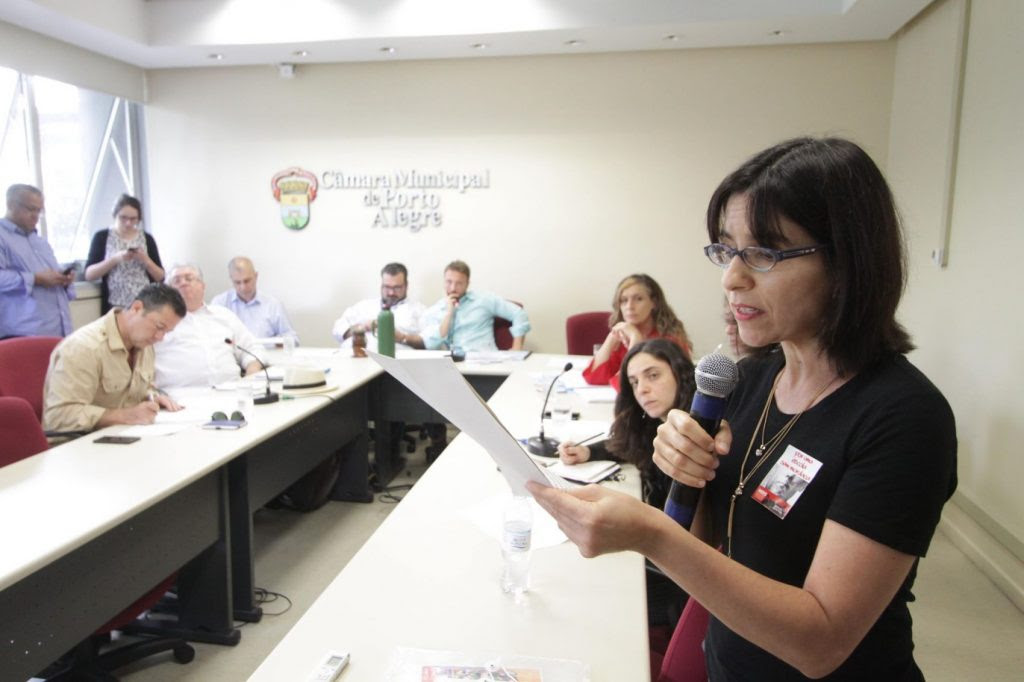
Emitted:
<point x="574" y="43"/>
<point x="479" y="46"/>
<point x="778" y="32"/>
<point x="300" y="53"/>
<point x="216" y="56"/>
<point x="387" y="50"/>
<point x="672" y="37"/>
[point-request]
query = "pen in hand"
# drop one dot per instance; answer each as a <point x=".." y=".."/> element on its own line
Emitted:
<point x="590" y="438"/>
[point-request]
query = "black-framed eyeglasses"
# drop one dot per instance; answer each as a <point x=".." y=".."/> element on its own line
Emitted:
<point x="759" y="258"/>
<point x="219" y="416"/>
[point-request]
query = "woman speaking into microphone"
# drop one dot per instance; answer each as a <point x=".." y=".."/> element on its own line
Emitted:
<point x="826" y="480"/>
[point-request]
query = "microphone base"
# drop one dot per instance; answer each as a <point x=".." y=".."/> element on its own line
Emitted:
<point x="545" y="447"/>
<point x="266" y="399"/>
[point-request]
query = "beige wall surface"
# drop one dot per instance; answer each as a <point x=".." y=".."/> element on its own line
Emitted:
<point x="36" y="54"/>
<point x="599" y="166"/>
<point x="965" y="316"/>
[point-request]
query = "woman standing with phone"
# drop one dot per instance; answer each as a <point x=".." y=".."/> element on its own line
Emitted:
<point x="124" y="256"/>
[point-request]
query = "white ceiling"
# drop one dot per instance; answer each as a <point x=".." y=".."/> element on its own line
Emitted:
<point x="185" y="33"/>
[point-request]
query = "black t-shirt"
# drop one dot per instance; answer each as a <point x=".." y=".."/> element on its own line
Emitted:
<point x="886" y="441"/>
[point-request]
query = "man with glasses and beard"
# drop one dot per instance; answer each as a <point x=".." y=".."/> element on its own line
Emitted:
<point x="394" y="288"/>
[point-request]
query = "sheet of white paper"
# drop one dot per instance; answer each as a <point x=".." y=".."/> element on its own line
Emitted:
<point x="488" y="515"/>
<point x="199" y="405"/>
<point x="405" y="354"/>
<point x="157" y="429"/>
<point x="596" y="394"/>
<point x="440" y="384"/>
<point x="576" y="431"/>
<point x="485" y="357"/>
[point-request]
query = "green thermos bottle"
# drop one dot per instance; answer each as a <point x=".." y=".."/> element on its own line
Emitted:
<point x="386" y="332"/>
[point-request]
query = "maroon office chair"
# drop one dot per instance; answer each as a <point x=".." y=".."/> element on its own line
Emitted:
<point x="585" y="330"/>
<point x="503" y="331"/>
<point x="684" y="659"/>
<point x="23" y="364"/>
<point x="21" y="436"/>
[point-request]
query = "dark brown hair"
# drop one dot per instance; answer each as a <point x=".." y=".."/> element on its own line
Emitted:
<point x="633" y="430"/>
<point x="832" y="189"/>
<point x="127" y="200"/>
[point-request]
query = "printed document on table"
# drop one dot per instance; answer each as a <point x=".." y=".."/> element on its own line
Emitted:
<point x="439" y="383"/>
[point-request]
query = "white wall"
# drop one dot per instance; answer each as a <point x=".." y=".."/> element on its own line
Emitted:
<point x="965" y="316"/>
<point x="600" y="166"/>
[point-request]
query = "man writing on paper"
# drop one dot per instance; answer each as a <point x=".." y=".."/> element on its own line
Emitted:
<point x="103" y="373"/>
<point x="34" y="289"/>
<point x="465" y="319"/>
<point x="394" y="290"/>
<point x="196" y="353"/>
<point x="260" y="312"/>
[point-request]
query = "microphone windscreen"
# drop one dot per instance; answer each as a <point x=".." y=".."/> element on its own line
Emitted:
<point x="229" y="341"/>
<point x="716" y="375"/>
<point x="567" y="367"/>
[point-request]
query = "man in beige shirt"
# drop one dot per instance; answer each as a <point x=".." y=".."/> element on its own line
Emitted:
<point x="102" y="374"/>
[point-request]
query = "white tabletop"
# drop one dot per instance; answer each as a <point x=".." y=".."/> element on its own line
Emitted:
<point x="429" y="578"/>
<point x="58" y="500"/>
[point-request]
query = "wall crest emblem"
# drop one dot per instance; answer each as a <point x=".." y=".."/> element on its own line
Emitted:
<point x="294" y="189"/>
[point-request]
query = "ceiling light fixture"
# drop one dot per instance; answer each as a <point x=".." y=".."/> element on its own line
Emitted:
<point x="300" y="53"/>
<point x="479" y="46"/>
<point x="573" y="43"/>
<point x="387" y="50"/>
<point x="778" y="32"/>
<point x="672" y="37"/>
<point x="216" y="56"/>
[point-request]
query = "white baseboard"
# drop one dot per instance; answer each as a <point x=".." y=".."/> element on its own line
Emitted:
<point x="991" y="556"/>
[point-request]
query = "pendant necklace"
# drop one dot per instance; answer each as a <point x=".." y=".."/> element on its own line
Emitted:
<point x="765" y="449"/>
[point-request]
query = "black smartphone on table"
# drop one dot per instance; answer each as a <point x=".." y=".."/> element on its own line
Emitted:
<point x="116" y="440"/>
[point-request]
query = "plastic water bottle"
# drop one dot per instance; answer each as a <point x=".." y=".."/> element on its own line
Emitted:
<point x="386" y="332"/>
<point x="515" y="546"/>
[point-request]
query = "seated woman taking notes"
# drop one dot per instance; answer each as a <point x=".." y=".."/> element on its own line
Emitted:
<point x="639" y="312"/>
<point x="661" y="378"/>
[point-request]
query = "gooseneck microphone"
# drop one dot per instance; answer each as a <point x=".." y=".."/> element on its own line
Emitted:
<point x="539" y="445"/>
<point x="269" y="396"/>
<point x="717" y="376"/>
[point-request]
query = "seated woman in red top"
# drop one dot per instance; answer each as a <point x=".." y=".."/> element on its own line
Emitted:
<point x="639" y="312"/>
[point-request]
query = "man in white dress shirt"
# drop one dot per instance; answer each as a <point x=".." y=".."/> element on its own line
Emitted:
<point x="196" y="353"/>
<point x="394" y="288"/>
<point x="260" y="312"/>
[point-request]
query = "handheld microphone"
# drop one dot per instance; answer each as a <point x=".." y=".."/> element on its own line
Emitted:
<point x="539" y="445"/>
<point x="717" y="376"/>
<point x="269" y="396"/>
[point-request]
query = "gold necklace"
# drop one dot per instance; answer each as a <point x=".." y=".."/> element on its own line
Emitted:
<point x="765" y="450"/>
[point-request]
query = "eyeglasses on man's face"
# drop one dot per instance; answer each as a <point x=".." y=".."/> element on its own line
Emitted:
<point x="759" y="258"/>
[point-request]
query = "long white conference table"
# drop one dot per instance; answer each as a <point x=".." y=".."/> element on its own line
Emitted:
<point x="428" y="578"/>
<point x="88" y="528"/>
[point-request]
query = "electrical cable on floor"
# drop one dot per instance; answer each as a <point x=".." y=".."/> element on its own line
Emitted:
<point x="388" y="496"/>
<point x="263" y="596"/>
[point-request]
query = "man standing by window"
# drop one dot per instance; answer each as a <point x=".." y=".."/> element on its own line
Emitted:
<point x="34" y="289"/>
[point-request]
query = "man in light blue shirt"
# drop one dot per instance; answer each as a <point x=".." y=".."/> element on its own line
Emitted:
<point x="465" y="319"/>
<point x="34" y="289"/>
<point x="261" y="313"/>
